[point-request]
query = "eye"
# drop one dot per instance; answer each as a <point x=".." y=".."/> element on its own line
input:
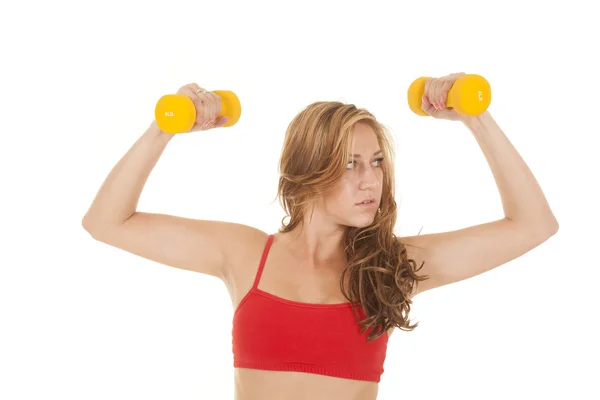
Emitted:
<point x="377" y="163"/>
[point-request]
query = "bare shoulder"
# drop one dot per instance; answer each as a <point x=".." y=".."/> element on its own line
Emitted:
<point x="415" y="247"/>
<point x="244" y="251"/>
<point x="416" y="251"/>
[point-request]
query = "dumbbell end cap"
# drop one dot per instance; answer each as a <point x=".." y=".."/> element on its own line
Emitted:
<point x="175" y="113"/>
<point x="416" y="90"/>
<point x="230" y="106"/>
<point x="471" y="95"/>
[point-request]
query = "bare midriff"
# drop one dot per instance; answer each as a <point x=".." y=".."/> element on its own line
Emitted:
<point x="253" y="384"/>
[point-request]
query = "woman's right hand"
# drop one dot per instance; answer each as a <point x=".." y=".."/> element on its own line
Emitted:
<point x="208" y="107"/>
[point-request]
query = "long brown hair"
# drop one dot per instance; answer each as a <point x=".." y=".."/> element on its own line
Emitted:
<point x="314" y="157"/>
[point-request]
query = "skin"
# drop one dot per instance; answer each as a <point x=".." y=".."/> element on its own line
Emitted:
<point x="321" y="234"/>
<point x="312" y="253"/>
<point x="305" y="265"/>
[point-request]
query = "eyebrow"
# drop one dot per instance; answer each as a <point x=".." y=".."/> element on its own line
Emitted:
<point x="374" y="154"/>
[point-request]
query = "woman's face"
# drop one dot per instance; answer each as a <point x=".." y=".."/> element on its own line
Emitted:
<point x="362" y="181"/>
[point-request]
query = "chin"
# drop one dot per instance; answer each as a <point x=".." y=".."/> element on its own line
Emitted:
<point x="360" y="222"/>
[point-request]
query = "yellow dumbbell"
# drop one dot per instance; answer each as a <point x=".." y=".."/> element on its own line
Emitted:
<point x="176" y="113"/>
<point x="470" y="95"/>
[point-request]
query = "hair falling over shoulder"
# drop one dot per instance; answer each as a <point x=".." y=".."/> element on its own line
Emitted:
<point x="314" y="155"/>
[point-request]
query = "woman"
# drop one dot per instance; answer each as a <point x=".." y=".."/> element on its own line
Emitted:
<point x="315" y="302"/>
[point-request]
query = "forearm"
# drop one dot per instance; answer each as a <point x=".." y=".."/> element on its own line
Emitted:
<point x="522" y="198"/>
<point x="118" y="196"/>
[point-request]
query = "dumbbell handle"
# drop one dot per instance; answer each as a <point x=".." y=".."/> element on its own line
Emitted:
<point x="470" y="95"/>
<point x="176" y="113"/>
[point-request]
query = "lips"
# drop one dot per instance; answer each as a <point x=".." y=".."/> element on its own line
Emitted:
<point x="366" y="202"/>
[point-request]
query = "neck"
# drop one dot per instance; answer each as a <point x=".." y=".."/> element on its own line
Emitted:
<point x="316" y="242"/>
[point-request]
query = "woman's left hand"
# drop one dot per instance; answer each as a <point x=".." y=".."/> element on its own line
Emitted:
<point x="436" y="94"/>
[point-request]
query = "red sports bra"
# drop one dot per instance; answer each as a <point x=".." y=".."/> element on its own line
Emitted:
<point x="273" y="333"/>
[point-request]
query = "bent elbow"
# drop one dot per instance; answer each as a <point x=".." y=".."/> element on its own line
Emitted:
<point x="91" y="226"/>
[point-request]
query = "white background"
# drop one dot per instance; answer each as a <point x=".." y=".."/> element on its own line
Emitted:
<point x="79" y="81"/>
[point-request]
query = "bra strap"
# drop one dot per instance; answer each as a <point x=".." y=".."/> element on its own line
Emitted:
<point x="262" y="261"/>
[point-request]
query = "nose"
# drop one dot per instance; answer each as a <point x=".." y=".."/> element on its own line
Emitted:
<point x="368" y="180"/>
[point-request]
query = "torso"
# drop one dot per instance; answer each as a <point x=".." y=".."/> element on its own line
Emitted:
<point x="283" y="277"/>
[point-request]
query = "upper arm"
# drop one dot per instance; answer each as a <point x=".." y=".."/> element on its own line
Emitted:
<point x="454" y="256"/>
<point x="197" y="245"/>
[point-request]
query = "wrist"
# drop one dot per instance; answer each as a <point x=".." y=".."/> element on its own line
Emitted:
<point x="155" y="131"/>
<point x="477" y="121"/>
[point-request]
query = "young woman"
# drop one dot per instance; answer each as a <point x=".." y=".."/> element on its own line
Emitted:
<point x="316" y="301"/>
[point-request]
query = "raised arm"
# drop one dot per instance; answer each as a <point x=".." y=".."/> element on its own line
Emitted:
<point x="191" y="244"/>
<point x="528" y="219"/>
